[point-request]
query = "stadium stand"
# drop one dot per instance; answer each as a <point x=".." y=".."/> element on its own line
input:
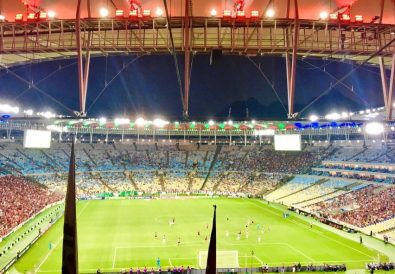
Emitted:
<point x="20" y="200"/>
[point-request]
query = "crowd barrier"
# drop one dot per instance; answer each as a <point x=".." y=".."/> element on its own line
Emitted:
<point x="263" y="269"/>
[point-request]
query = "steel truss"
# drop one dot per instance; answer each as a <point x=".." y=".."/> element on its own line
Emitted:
<point x="27" y="41"/>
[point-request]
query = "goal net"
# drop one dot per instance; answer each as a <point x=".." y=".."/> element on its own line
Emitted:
<point x="225" y="259"/>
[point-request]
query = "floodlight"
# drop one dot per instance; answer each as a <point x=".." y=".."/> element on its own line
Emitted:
<point x="213" y="12"/>
<point x="324" y="15"/>
<point x="140" y="122"/>
<point x="211" y="123"/>
<point x="2" y="17"/>
<point x="313" y="118"/>
<point x="160" y="123"/>
<point x="28" y="112"/>
<point x="51" y="14"/>
<point x="374" y="128"/>
<point x="103" y="12"/>
<point x="102" y="120"/>
<point x="159" y="12"/>
<point x="122" y="121"/>
<point x="333" y="116"/>
<point x="270" y="13"/>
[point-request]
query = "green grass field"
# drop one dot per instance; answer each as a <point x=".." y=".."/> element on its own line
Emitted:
<point x="118" y="234"/>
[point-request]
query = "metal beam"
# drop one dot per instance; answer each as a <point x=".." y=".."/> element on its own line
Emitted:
<point x="87" y="59"/>
<point x="391" y="90"/>
<point x="292" y="74"/>
<point x="381" y="11"/>
<point x="187" y="52"/>
<point x="384" y="85"/>
<point x="81" y="88"/>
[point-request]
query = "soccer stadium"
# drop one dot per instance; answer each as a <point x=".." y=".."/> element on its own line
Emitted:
<point x="197" y="136"/>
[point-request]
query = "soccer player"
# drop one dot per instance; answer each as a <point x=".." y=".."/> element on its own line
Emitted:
<point x="158" y="262"/>
<point x="164" y="238"/>
<point x="179" y="241"/>
<point x="156" y="235"/>
<point x="259" y="239"/>
<point x="227" y="233"/>
<point x="131" y="271"/>
<point x="198" y="233"/>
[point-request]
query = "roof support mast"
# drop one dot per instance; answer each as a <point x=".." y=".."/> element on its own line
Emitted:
<point x="187" y="52"/>
<point x="83" y="72"/>
<point x="291" y="66"/>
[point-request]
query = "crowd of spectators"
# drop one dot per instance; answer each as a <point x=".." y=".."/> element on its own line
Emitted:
<point x="20" y="200"/>
<point x="367" y="206"/>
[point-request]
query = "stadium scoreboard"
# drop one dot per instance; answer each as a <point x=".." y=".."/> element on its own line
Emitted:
<point x="287" y="142"/>
<point x="37" y="139"/>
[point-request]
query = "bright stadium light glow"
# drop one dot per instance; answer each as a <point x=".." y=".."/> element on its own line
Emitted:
<point x="160" y="123"/>
<point x="28" y="112"/>
<point x="213" y="12"/>
<point x="103" y="12"/>
<point x="344" y="115"/>
<point x="140" y="122"/>
<point x="2" y="17"/>
<point x="51" y="14"/>
<point x="102" y="120"/>
<point x="333" y="116"/>
<point x="270" y="13"/>
<point x="159" y="12"/>
<point x="211" y="123"/>
<point x="230" y="122"/>
<point x="313" y="118"/>
<point x="122" y="121"/>
<point x="374" y="128"/>
<point x="324" y="15"/>
<point x="8" y="109"/>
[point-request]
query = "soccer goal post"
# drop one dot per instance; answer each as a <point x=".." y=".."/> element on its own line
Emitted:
<point x="225" y="259"/>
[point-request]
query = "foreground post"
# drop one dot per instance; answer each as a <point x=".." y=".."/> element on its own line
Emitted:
<point x="212" y="249"/>
<point x="70" y="246"/>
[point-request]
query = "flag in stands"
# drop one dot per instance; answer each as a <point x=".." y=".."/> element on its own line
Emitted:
<point x="212" y="249"/>
<point x="70" y="247"/>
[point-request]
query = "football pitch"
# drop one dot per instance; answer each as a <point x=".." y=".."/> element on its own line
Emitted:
<point x="119" y="234"/>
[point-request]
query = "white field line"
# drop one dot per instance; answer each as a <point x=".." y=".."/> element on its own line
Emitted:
<point x="259" y="260"/>
<point x="317" y="232"/>
<point x="56" y="244"/>
<point x="115" y="256"/>
<point x="300" y="252"/>
<point x="170" y="262"/>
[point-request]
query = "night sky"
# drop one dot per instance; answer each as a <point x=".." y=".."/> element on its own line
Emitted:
<point x="147" y="85"/>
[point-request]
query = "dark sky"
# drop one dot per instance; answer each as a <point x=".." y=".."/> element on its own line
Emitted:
<point x="148" y="85"/>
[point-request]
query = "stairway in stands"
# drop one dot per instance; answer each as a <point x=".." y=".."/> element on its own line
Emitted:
<point x="101" y="180"/>
<point x="217" y="151"/>
<point x="89" y="157"/>
<point x="130" y="175"/>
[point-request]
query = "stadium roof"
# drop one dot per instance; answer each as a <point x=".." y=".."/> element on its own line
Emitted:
<point x="308" y="9"/>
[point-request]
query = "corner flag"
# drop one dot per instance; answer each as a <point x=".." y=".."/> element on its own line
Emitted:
<point x="212" y="249"/>
<point x="70" y="246"/>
